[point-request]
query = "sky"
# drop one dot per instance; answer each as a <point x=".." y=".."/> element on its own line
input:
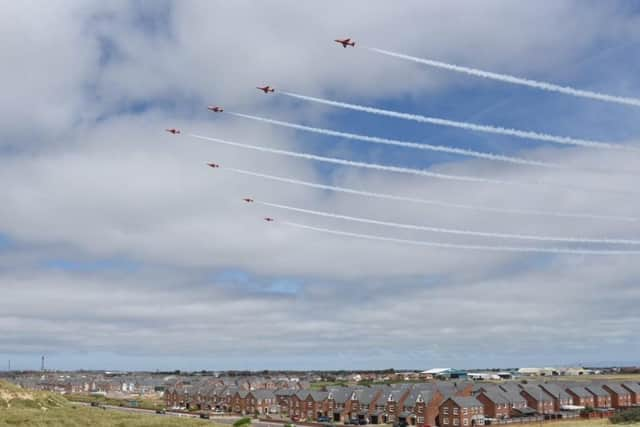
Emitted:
<point x="121" y="249"/>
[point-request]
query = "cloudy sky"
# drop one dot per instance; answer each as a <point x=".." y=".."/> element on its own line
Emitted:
<point x="121" y="249"/>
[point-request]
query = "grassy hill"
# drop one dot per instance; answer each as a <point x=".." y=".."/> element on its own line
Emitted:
<point x="19" y="407"/>
<point x="14" y="397"/>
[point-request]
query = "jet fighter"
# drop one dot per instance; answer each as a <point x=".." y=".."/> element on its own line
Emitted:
<point x="266" y="89"/>
<point x="346" y="42"/>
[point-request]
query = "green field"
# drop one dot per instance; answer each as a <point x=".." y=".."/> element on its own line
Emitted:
<point x="145" y="403"/>
<point x="69" y="416"/>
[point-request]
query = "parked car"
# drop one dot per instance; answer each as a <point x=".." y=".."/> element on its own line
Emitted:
<point x="161" y="411"/>
<point x="205" y="416"/>
<point x="323" y="419"/>
<point x="363" y="421"/>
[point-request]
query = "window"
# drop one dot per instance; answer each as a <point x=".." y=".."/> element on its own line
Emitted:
<point x="456" y="422"/>
<point x="455" y="411"/>
<point x="445" y="421"/>
<point x="445" y="410"/>
<point x="464" y="411"/>
<point x="465" y="422"/>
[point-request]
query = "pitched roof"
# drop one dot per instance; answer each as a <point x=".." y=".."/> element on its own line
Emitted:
<point x="597" y="390"/>
<point x="466" y="402"/>
<point x="496" y="396"/>
<point x="537" y="393"/>
<point x="617" y="388"/>
<point x="579" y="391"/>
<point x="555" y="390"/>
<point x="634" y="387"/>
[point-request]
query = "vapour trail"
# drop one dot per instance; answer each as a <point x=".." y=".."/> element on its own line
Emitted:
<point x="468" y="126"/>
<point x="482" y="248"/>
<point x="452" y="230"/>
<point x="431" y="202"/>
<point x="406" y="144"/>
<point x="514" y="80"/>
<point x="398" y="169"/>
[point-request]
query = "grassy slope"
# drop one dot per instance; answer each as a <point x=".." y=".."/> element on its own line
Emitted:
<point x="12" y="396"/>
<point x="89" y="417"/>
<point x="20" y="407"/>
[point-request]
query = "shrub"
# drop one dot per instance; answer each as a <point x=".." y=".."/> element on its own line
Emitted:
<point x="626" y="417"/>
<point x="246" y="421"/>
<point x="586" y="411"/>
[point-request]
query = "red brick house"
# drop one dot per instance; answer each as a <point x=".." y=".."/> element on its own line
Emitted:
<point x="538" y="400"/>
<point x="239" y="402"/>
<point x="394" y="404"/>
<point x="363" y="403"/>
<point x="560" y="397"/>
<point x="601" y="397"/>
<point x="309" y="405"/>
<point x="495" y="404"/>
<point x="261" y="402"/>
<point x="620" y="396"/>
<point x="283" y="400"/>
<point x="422" y="407"/>
<point x="581" y="396"/>
<point x="634" y="390"/>
<point x="460" y="411"/>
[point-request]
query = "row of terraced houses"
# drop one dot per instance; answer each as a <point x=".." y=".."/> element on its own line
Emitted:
<point x="444" y="404"/>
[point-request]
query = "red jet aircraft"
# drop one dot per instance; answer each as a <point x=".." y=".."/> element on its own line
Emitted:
<point x="346" y="42"/>
<point x="173" y="131"/>
<point x="248" y="200"/>
<point x="269" y="219"/>
<point x="213" y="165"/>
<point x="266" y="89"/>
<point x="215" y="109"/>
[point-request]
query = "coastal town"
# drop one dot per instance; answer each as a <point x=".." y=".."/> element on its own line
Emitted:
<point x="441" y="397"/>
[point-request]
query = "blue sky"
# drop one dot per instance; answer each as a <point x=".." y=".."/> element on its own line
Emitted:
<point x="120" y="249"/>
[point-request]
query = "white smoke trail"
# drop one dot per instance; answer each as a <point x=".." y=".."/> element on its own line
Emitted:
<point x="468" y="126"/>
<point x="515" y="80"/>
<point x="406" y="144"/>
<point x="457" y="246"/>
<point x="432" y="202"/>
<point x="398" y="169"/>
<point x="419" y="172"/>
<point x="452" y="230"/>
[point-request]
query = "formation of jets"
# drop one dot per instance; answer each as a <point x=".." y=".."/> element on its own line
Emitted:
<point x="266" y="89"/>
